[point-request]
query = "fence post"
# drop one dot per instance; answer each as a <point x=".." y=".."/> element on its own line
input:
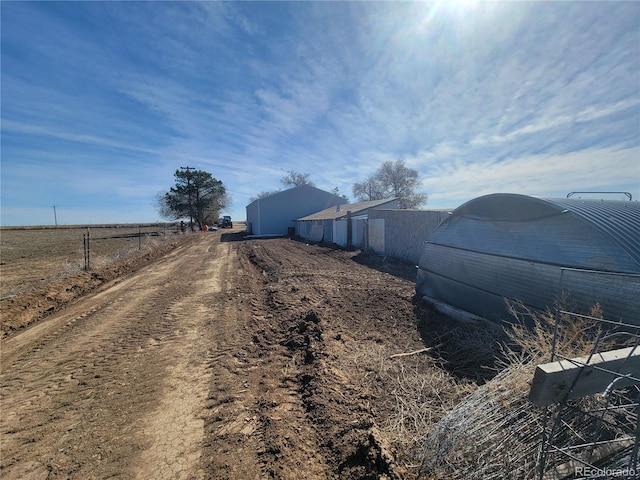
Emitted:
<point x="139" y="238"/>
<point x="86" y="249"/>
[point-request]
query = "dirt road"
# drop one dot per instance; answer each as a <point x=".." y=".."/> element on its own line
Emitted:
<point x="227" y="358"/>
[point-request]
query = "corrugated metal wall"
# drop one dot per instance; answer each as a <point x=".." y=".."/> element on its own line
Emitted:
<point x="358" y="232"/>
<point x="404" y="231"/>
<point x="479" y="283"/>
<point x="253" y="218"/>
<point x="276" y="213"/>
<point x="340" y="232"/>
<point x="517" y="247"/>
<point x="376" y="236"/>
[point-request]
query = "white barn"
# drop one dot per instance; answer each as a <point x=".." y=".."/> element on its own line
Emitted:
<point x="275" y="214"/>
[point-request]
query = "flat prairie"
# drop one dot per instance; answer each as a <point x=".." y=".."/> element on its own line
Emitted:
<point x="42" y="269"/>
<point x="33" y="256"/>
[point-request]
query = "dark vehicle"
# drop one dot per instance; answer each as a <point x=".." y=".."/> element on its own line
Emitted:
<point x="225" y="222"/>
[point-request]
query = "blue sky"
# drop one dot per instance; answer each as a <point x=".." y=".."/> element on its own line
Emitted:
<point x="102" y="102"/>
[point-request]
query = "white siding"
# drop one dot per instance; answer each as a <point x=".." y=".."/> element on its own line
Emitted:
<point x="376" y="235"/>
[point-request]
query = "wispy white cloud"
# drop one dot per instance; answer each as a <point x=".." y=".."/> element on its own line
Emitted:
<point x="55" y="131"/>
<point x="553" y="122"/>
<point x="452" y="182"/>
<point x="507" y="94"/>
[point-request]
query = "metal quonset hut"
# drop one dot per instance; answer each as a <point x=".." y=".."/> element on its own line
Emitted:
<point x="518" y="247"/>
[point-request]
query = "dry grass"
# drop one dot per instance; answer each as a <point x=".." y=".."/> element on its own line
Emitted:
<point x="495" y="432"/>
<point x="532" y="339"/>
<point x="409" y="395"/>
<point x="461" y="409"/>
<point x="113" y="254"/>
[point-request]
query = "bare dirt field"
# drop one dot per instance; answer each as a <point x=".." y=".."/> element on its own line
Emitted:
<point x="34" y="256"/>
<point x="43" y="269"/>
<point x="215" y="356"/>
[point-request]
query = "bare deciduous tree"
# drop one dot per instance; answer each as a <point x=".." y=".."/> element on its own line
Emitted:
<point x="263" y="194"/>
<point x="295" y="179"/>
<point x="392" y="179"/>
<point x="370" y="189"/>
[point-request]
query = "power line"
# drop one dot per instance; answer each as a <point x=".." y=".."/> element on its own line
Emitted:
<point x="188" y="169"/>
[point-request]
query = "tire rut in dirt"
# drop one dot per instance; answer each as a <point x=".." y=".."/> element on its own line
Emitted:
<point x="90" y="389"/>
<point x="298" y="319"/>
<point x="83" y="401"/>
<point x="257" y="426"/>
<point x="231" y="440"/>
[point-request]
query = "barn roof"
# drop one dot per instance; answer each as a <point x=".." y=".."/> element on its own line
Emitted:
<point x="333" y="213"/>
<point x="300" y="189"/>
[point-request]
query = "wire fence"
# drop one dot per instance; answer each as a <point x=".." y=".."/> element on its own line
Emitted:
<point x="582" y="423"/>
<point x="591" y="427"/>
<point x="140" y="234"/>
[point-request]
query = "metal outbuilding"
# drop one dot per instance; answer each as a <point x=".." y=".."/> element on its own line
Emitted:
<point x="276" y="213"/>
<point x="508" y="246"/>
<point x="400" y="234"/>
<point x="331" y="224"/>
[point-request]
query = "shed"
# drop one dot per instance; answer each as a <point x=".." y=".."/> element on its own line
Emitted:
<point x="535" y="250"/>
<point x="401" y="233"/>
<point x="275" y="214"/>
<point x="331" y="224"/>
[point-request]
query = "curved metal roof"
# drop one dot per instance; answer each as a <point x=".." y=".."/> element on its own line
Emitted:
<point x="509" y="207"/>
<point x="617" y="220"/>
<point x="620" y="221"/>
<point x="535" y="250"/>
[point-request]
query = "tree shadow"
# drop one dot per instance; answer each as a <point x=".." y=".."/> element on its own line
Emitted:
<point x="467" y="351"/>
<point x="233" y="236"/>
<point x="392" y="266"/>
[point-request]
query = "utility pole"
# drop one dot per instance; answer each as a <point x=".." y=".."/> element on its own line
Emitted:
<point x="55" y="216"/>
<point x="188" y="169"/>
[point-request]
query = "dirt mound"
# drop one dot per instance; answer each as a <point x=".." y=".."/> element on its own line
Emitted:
<point x="323" y="304"/>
